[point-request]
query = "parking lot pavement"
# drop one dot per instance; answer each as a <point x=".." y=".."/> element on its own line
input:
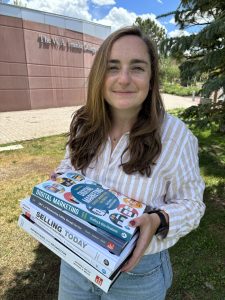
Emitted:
<point x="30" y="124"/>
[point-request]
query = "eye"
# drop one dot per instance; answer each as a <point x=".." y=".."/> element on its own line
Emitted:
<point x="112" y="68"/>
<point x="138" y="69"/>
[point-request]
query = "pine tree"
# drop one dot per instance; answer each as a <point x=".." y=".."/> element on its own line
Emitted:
<point x="203" y="53"/>
<point x="152" y="29"/>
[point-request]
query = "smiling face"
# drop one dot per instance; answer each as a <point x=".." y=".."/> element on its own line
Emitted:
<point x="128" y="75"/>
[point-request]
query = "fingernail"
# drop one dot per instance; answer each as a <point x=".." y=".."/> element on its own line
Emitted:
<point x="132" y="223"/>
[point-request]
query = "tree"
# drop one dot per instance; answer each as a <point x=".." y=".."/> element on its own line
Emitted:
<point x="150" y="27"/>
<point x="209" y="115"/>
<point x="204" y="51"/>
<point x="169" y="70"/>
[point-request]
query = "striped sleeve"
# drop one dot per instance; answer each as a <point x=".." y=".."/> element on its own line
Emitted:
<point x="65" y="164"/>
<point x="184" y="198"/>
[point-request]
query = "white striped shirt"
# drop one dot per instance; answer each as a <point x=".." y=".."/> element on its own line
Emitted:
<point x="175" y="185"/>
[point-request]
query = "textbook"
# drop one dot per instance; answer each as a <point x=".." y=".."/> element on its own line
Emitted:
<point x="92" y="202"/>
<point x="95" y="255"/>
<point x="67" y="255"/>
<point x="103" y="238"/>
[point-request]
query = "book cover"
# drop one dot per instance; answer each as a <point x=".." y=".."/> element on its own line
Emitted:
<point x="98" y="257"/>
<point x="66" y="254"/>
<point x="91" y="202"/>
<point x="99" y="236"/>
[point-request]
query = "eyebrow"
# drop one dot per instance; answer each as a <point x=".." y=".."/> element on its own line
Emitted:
<point x="133" y="61"/>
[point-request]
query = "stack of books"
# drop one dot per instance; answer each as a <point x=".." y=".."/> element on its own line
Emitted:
<point x="84" y="223"/>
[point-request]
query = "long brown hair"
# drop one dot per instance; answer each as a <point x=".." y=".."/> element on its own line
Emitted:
<point x="91" y="124"/>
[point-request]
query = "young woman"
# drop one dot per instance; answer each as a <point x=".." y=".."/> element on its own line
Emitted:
<point x="123" y="138"/>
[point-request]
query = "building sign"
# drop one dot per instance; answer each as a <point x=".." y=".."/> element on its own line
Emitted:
<point x="63" y="44"/>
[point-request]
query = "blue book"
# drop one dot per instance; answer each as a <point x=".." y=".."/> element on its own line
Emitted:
<point x="104" y="239"/>
<point x="92" y="202"/>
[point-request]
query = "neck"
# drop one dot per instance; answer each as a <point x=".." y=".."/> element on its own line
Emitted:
<point x="123" y="119"/>
<point x="121" y="123"/>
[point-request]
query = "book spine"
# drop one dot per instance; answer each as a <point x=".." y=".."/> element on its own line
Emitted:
<point x="84" y="247"/>
<point x="106" y="272"/>
<point x="66" y="254"/>
<point x="102" y="238"/>
<point x="82" y="214"/>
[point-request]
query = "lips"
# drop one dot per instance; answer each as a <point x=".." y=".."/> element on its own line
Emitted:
<point x="123" y="92"/>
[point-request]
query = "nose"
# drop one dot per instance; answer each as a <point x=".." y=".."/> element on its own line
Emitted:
<point x="124" y="77"/>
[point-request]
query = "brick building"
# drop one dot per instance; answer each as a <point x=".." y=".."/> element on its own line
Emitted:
<point x="44" y="58"/>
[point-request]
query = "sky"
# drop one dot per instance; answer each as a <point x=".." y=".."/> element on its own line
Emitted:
<point x="114" y="13"/>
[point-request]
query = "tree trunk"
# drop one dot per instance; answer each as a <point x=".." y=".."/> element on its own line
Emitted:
<point x="215" y="96"/>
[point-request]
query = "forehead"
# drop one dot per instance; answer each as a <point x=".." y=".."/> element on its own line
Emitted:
<point x="129" y="46"/>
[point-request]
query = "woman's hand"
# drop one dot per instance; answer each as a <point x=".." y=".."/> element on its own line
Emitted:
<point x="148" y="225"/>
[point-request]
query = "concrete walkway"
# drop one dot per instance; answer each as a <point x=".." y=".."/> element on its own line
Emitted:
<point x="30" y="124"/>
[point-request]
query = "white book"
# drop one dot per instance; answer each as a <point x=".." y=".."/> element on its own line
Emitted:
<point x="67" y="255"/>
<point x="88" y="250"/>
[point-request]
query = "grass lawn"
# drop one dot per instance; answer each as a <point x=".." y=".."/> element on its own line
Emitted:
<point x="30" y="271"/>
<point x="199" y="258"/>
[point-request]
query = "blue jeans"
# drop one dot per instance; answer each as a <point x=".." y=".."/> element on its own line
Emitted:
<point x="149" y="280"/>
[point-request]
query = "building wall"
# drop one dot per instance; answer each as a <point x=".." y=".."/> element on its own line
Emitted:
<point x="43" y="65"/>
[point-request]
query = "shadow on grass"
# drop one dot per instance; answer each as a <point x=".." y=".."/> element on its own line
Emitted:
<point x="198" y="259"/>
<point x="40" y="281"/>
<point x="212" y="155"/>
<point x="215" y="194"/>
<point x="1" y="272"/>
<point x="212" y="163"/>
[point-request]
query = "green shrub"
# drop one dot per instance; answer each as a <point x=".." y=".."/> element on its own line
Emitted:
<point x="210" y="115"/>
<point x="176" y="89"/>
